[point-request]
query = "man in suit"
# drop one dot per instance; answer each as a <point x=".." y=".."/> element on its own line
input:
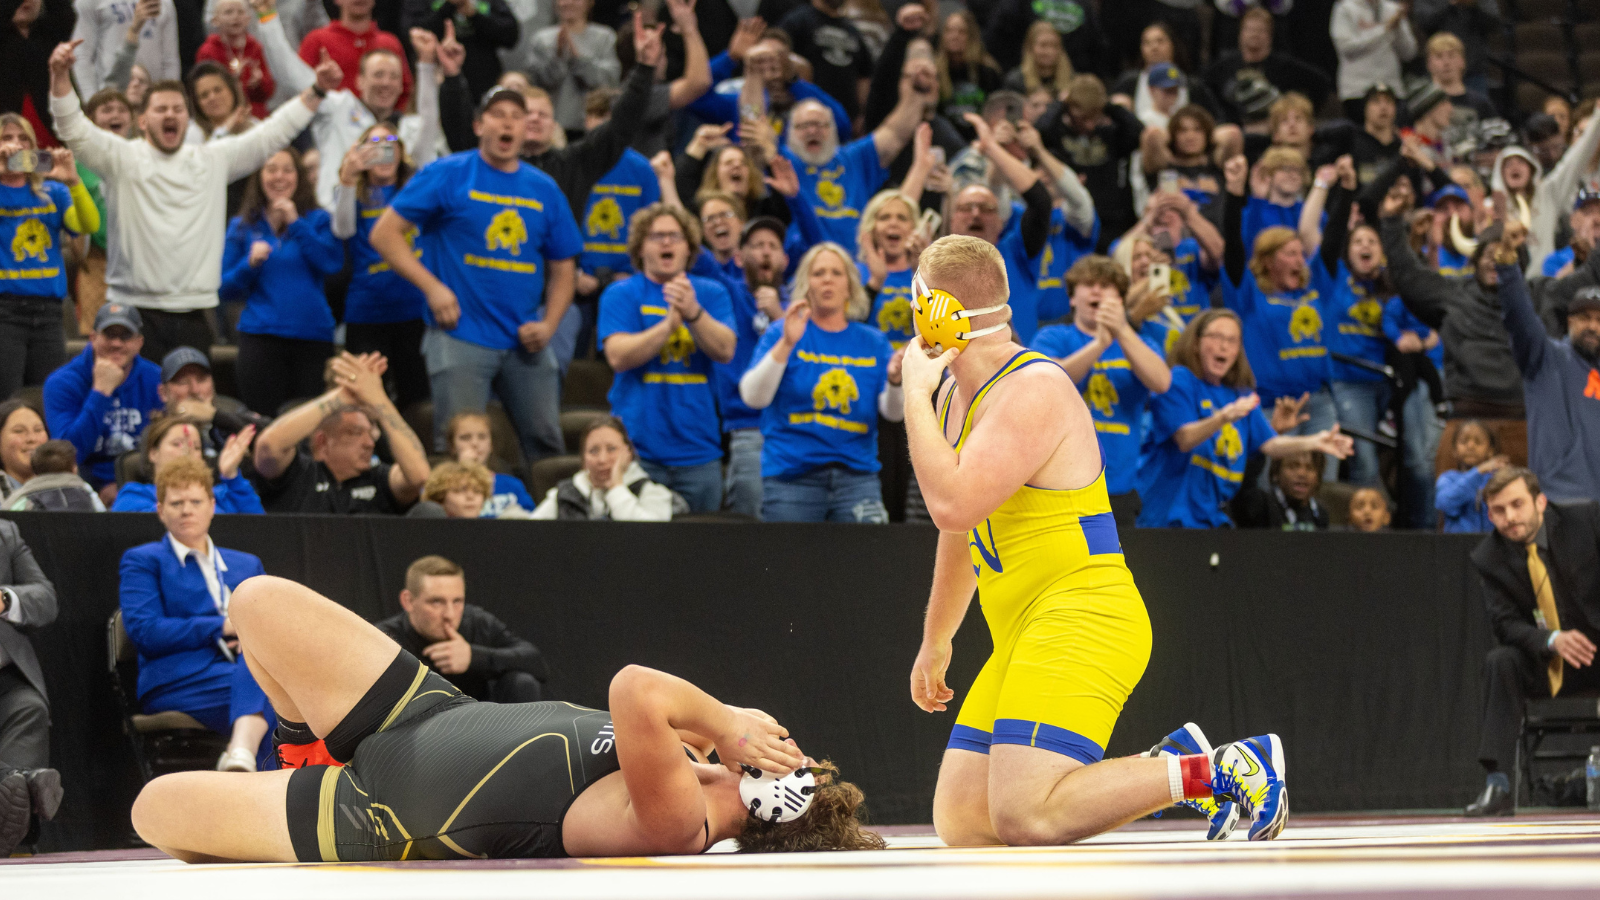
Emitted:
<point x="1541" y="582"/>
<point x="174" y="594"/>
<point x="27" y="601"/>
<point x="464" y="643"/>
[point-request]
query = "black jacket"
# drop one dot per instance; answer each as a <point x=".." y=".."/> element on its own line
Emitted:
<point x="1554" y="295"/>
<point x="1573" y="532"/>
<point x="24" y="68"/>
<point x="1478" y="365"/>
<point x="36" y="596"/>
<point x="1282" y="71"/>
<point x="490" y="28"/>
<point x="495" y="650"/>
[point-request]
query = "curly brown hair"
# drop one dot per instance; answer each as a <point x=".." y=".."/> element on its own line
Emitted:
<point x="832" y="823"/>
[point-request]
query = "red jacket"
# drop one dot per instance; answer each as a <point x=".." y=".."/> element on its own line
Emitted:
<point x="247" y="64"/>
<point x="346" y="47"/>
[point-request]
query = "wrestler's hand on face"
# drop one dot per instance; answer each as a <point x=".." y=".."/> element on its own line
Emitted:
<point x="928" y="689"/>
<point x="754" y="738"/>
<point x="918" y="373"/>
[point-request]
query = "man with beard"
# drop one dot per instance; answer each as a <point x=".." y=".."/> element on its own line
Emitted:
<point x="1560" y="378"/>
<point x="840" y="180"/>
<point x="167" y="200"/>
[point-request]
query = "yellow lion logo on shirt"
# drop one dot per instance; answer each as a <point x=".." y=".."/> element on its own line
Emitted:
<point x="1368" y="312"/>
<point x="1178" y="282"/>
<point x="830" y="193"/>
<point x="835" y="390"/>
<point x="895" y="316"/>
<point x="605" y="218"/>
<point x="31" y="239"/>
<point x="1101" y="394"/>
<point x="1305" y="324"/>
<point x="1229" y="445"/>
<point x="679" y="347"/>
<point x="506" y="230"/>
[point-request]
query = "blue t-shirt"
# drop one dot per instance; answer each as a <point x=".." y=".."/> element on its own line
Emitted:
<point x="283" y="296"/>
<point x="508" y="492"/>
<point x="1556" y="260"/>
<point x="839" y="191"/>
<point x="891" y="309"/>
<point x="1260" y="214"/>
<point x="487" y="235"/>
<point x="1453" y="264"/>
<point x="377" y="293"/>
<point x="30" y="257"/>
<point x="1022" y="277"/>
<point x="1284" y="333"/>
<point x="630" y="186"/>
<point x="748" y="324"/>
<point x="826" y="409"/>
<point x="1115" y="397"/>
<point x="1397" y="318"/>
<point x="1357" y="318"/>
<point x="1189" y="489"/>
<point x="1065" y="247"/>
<point x="669" y="404"/>
<point x="1189" y="282"/>
<point x="1161" y="334"/>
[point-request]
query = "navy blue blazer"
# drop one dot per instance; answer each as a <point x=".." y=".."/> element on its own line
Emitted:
<point x="169" y="612"/>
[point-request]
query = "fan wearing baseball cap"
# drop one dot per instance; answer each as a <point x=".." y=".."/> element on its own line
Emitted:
<point x="102" y="400"/>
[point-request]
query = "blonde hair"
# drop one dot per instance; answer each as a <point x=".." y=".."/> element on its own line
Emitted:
<point x="869" y="216"/>
<point x="1289" y="103"/>
<point x="858" y="305"/>
<point x="452" y="475"/>
<point x="1086" y="92"/>
<point x="968" y="267"/>
<point x="1277" y="158"/>
<point x="1268" y="242"/>
<point x="1030" y="68"/>
<point x="1445" y="42"/>
<point x="974" y="56"/>
<point x="35" y="179"/>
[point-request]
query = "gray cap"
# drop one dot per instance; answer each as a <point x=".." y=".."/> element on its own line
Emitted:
<point x="174" y="361"/>
<point x="1424" y="99"/>
<point x="1586" y="299"/>
<point x="118" y="314"/>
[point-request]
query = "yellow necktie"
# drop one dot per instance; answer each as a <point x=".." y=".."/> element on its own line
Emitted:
<point x="1545" y="597"/>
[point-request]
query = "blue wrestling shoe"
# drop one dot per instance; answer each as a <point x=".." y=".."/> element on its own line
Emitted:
<point x="1191" y="741"/>
<point x="1251" y="773"/>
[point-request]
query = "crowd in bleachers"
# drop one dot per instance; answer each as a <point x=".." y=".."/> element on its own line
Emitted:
<point x="584" y="260"/>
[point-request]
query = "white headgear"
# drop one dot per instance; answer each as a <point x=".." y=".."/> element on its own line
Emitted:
<point x="778" y="798"/>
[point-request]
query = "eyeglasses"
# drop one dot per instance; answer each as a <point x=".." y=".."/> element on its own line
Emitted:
<point x="664" y="237"/>
<point x="380" y="138"/>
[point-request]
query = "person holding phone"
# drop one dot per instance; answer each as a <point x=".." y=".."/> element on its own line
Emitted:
<point x="40" y="196"/>
<point x="382" y="311"/>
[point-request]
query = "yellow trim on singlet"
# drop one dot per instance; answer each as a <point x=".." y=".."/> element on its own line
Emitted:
<point x="327" y="842"/>
<point x="1021" y="359"/>
<point x="572" y="785"/>
<point x="422" y="672"/>
<point x="400" y="826"/>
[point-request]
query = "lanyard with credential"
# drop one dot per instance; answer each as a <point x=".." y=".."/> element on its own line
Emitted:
<point x="223" y="594"/>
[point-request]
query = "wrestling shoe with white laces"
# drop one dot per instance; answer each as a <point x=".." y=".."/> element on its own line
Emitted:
<point x="1251" y="772"/>
<point x="1190" y="741"/>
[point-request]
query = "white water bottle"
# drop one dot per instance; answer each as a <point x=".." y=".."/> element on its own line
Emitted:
<point x="1591" y="771"/>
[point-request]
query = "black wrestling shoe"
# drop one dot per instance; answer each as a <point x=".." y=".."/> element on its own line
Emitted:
<point x="44" y="787"/>
<point x="1494" y="801"/>
<point x="16" y="809"/>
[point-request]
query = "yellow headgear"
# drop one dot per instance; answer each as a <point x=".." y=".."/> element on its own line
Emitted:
<point x="940" y="318"/>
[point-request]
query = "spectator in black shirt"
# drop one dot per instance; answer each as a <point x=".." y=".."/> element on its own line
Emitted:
<point x="1256" y="57"/>
<point x="471" y="648"/>
<point x="1372" y="145"/>
<point x="1472" y="25"/>
<point x="840" y="61"/>
<point x="1095" y="138"/>
<point x="482" y="26"/>
<point x="338" y="475"/>
<point x="1290" y="501"/>
<point x="1447" y="64"/>
<point x="1074" y="20"/>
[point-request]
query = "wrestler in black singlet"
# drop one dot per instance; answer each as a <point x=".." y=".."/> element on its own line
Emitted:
<point x="433" y="774"/>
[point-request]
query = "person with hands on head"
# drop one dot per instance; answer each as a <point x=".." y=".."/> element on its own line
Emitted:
<point x="662" y="330"/>
<point x="175" y="597"/>
<point x="643" y="786"/>
<point x="465" y="643"/>
<point x="611" y="486"/>
<point x="1114" y="367"/>
<point x="40" y="207"/>
<point x="172" y="438"/>
<point x="1006" y="457"/>
<point x="338" y="475"/>
<point x="280" y="247"/>
<point x="822" y="379"/>
<point x="1540" y="571"/>
<point x="165" y="243"/>
<point x="498" y="243"/>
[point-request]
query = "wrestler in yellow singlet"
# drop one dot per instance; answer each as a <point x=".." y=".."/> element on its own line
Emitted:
<point x="1071" y="638"/>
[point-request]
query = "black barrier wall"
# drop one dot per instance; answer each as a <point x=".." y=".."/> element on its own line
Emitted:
<point x="1363" y="651"/>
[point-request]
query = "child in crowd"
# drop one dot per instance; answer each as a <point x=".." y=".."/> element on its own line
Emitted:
<point x="1369" y="510"/>
<point x="471" y="443"/>
<point x="461" y="489"/>
<point x="1459" y="493"/>
<point x="1290" y="503"/>
<point x="55" y="485"/>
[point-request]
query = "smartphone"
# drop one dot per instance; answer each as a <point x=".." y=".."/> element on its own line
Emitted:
<point x="930" y="222"/>
<point x="1160" y="277"/>
<point x="1169" y="181"/>
<point x="27" y="162"/>
<point x="385" y="155"/>
<point x="938" y="156"/>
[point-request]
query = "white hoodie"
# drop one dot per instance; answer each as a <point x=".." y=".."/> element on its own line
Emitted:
<point x="654" y="503"/>
<point x="1557" y="191"/>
